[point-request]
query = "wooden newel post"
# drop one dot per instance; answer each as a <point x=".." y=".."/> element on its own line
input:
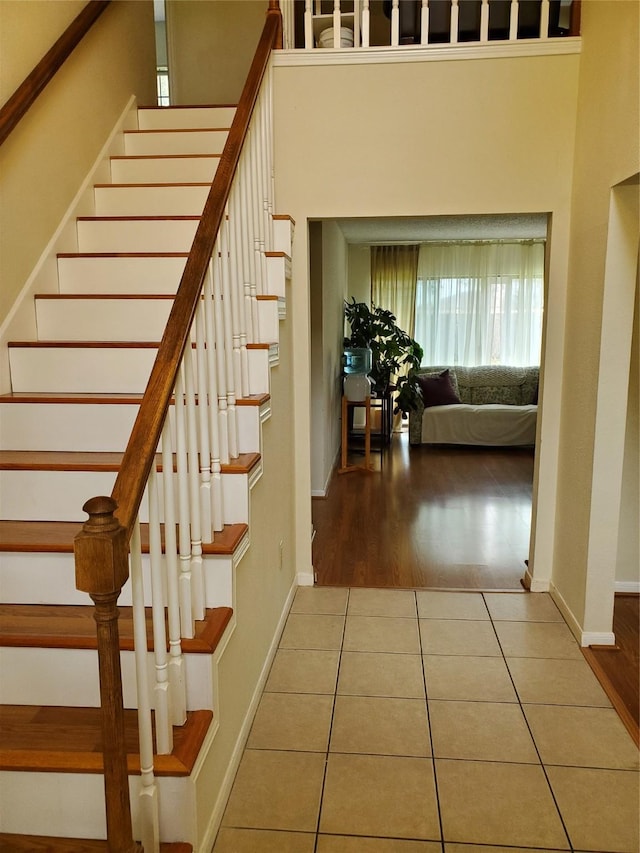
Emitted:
<point x="101" y="558"/>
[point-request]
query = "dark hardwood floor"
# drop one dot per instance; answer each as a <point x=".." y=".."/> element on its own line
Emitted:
<point x="438" y="517"/>
<point x="454" y="518"/>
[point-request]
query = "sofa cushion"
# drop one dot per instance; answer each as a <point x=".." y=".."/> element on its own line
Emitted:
<point x="438" y="389"/>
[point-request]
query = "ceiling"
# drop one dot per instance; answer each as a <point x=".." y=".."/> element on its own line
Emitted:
<point x="411" y="229"/>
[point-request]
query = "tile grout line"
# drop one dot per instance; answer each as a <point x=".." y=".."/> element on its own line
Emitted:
<point x="426" y="702"/>
<point x="333" y="710"/>
<point x="533" y="740"/>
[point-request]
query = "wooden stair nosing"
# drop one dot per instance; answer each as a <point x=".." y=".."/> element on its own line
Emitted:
<point x="162" y="156"/>
<point x="140" y="131"/>
<point x="57" y="537"/>
<point x="13" y="843"/>
<point x="139" y="185"/>
<point x="72" y="626"/>
<point x="183" y="218"/>
<point x="60" y="739"/>
<point x="93" y="398"/>
<point x="80" y="460"/>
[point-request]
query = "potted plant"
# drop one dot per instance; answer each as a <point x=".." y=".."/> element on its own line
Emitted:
<point x="392" y="350"/>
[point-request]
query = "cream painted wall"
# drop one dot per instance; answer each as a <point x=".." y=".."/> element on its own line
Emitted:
<point x="328" y="286"/>
<point x="211" y="45"/>
<point x="425" y="138"/>
<point x="359" y="276"/>
<point x="607" y="152"/>
<point x="628" y="556"/>
<point x="46" y="158"/>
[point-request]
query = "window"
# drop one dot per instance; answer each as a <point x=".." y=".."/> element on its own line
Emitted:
<point x="480" y="302"/>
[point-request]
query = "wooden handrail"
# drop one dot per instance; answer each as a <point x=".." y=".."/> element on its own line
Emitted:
<point x="18" y="104"/>
<point x="147" y="429"/>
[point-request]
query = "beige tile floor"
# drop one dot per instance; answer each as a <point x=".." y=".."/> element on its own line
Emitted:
<point x="396" y="721"/>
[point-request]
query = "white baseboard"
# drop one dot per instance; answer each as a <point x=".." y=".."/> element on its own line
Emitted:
<point x="305" y="579"/>
<point x="585" y="638"/>
<point x="234" y="762"/>
<point x="628" y="586"/>
<point x="534" y="585"/>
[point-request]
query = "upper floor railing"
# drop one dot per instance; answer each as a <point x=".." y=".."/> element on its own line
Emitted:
<point x="361" y="24"/>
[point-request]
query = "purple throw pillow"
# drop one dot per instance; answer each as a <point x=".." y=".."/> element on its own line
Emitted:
<point x="437" y="390"/>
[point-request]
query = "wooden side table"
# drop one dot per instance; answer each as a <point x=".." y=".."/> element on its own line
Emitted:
<point x="345" y="468"/>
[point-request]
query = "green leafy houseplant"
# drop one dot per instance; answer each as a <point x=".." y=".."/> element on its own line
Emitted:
<point x="392" y="350"/>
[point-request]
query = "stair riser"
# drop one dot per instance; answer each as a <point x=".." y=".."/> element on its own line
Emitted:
<point x="43" y="578"/>
<point x="163" y="170"/>
<point x="102" y="319"/>
<point x="93" y="428"/>
<point x="124" y="275"/>
<point x="72" y="805"/>
<point x="98" y="370"/>
<point x="69" y="677"/>
<point x="136" y="235"/>
<point x="150" y="201"/>
<point x="80" y="370"/>
<point x="185" y="117"/>
<point x="66" y="426"/>
<point x="60" y="495"/>
<point x="174" y="142"/>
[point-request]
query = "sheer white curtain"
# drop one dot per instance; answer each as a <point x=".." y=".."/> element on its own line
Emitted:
<point x="480" y="302"/>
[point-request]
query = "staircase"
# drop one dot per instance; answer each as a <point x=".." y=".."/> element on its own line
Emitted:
<point x="76" y="391"/>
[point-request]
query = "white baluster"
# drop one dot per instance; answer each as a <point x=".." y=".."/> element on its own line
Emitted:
<point x="247" y="252"/>
<point x="217" y="509"/>
<point x="218" y="315"/>
<point x="193" y="467"/>
<point x="544" y="20"/>
<point x="513" y="20"/>
<point x="164" y="731"/>
<point x="176" y="659"/>
<point x="228" y="342"/>
<point x="484" y="21"/>
<point x="424" y="22"/>
<point x="395" y="23"/>
<point x="149" y="818"/>
<point x="203" y="428"/>
<point x="239" y="337"/>
<point x="184" y="533"/>
<point x="337" y="23"/>
<point x="366" y="24"/>
<point x="455" y="14"/>
<point x="308" y="25"/>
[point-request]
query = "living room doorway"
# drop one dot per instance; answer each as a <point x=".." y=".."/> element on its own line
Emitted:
<point x="454" y="517"/>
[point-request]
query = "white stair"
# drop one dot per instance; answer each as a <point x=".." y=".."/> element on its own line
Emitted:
<point x="77" y="390"/>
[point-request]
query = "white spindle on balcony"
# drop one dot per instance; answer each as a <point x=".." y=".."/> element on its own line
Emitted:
<point x="337" y="23"/>
<point x="544" y="19"/>
<point x="484" y="21"/>
<point x="308" y="24"/>
<point x="366" y="23"/>
<point x="455" y="15"/>
<point x="424" y="22"/>
<point x="395" y="23"/>
<point x="513" y="20"/>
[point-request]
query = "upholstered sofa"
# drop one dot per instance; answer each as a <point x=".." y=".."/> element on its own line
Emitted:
<point x="488" y="405"/>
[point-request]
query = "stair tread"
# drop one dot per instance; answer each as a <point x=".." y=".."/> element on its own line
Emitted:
<point x="72" y="626"/>
<point x="12" y="843"/>
<point x="84" y="460"/>
<point x="85" y="397"/>
<point x="58" y="536"/>
<point x="69" y="739"/>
